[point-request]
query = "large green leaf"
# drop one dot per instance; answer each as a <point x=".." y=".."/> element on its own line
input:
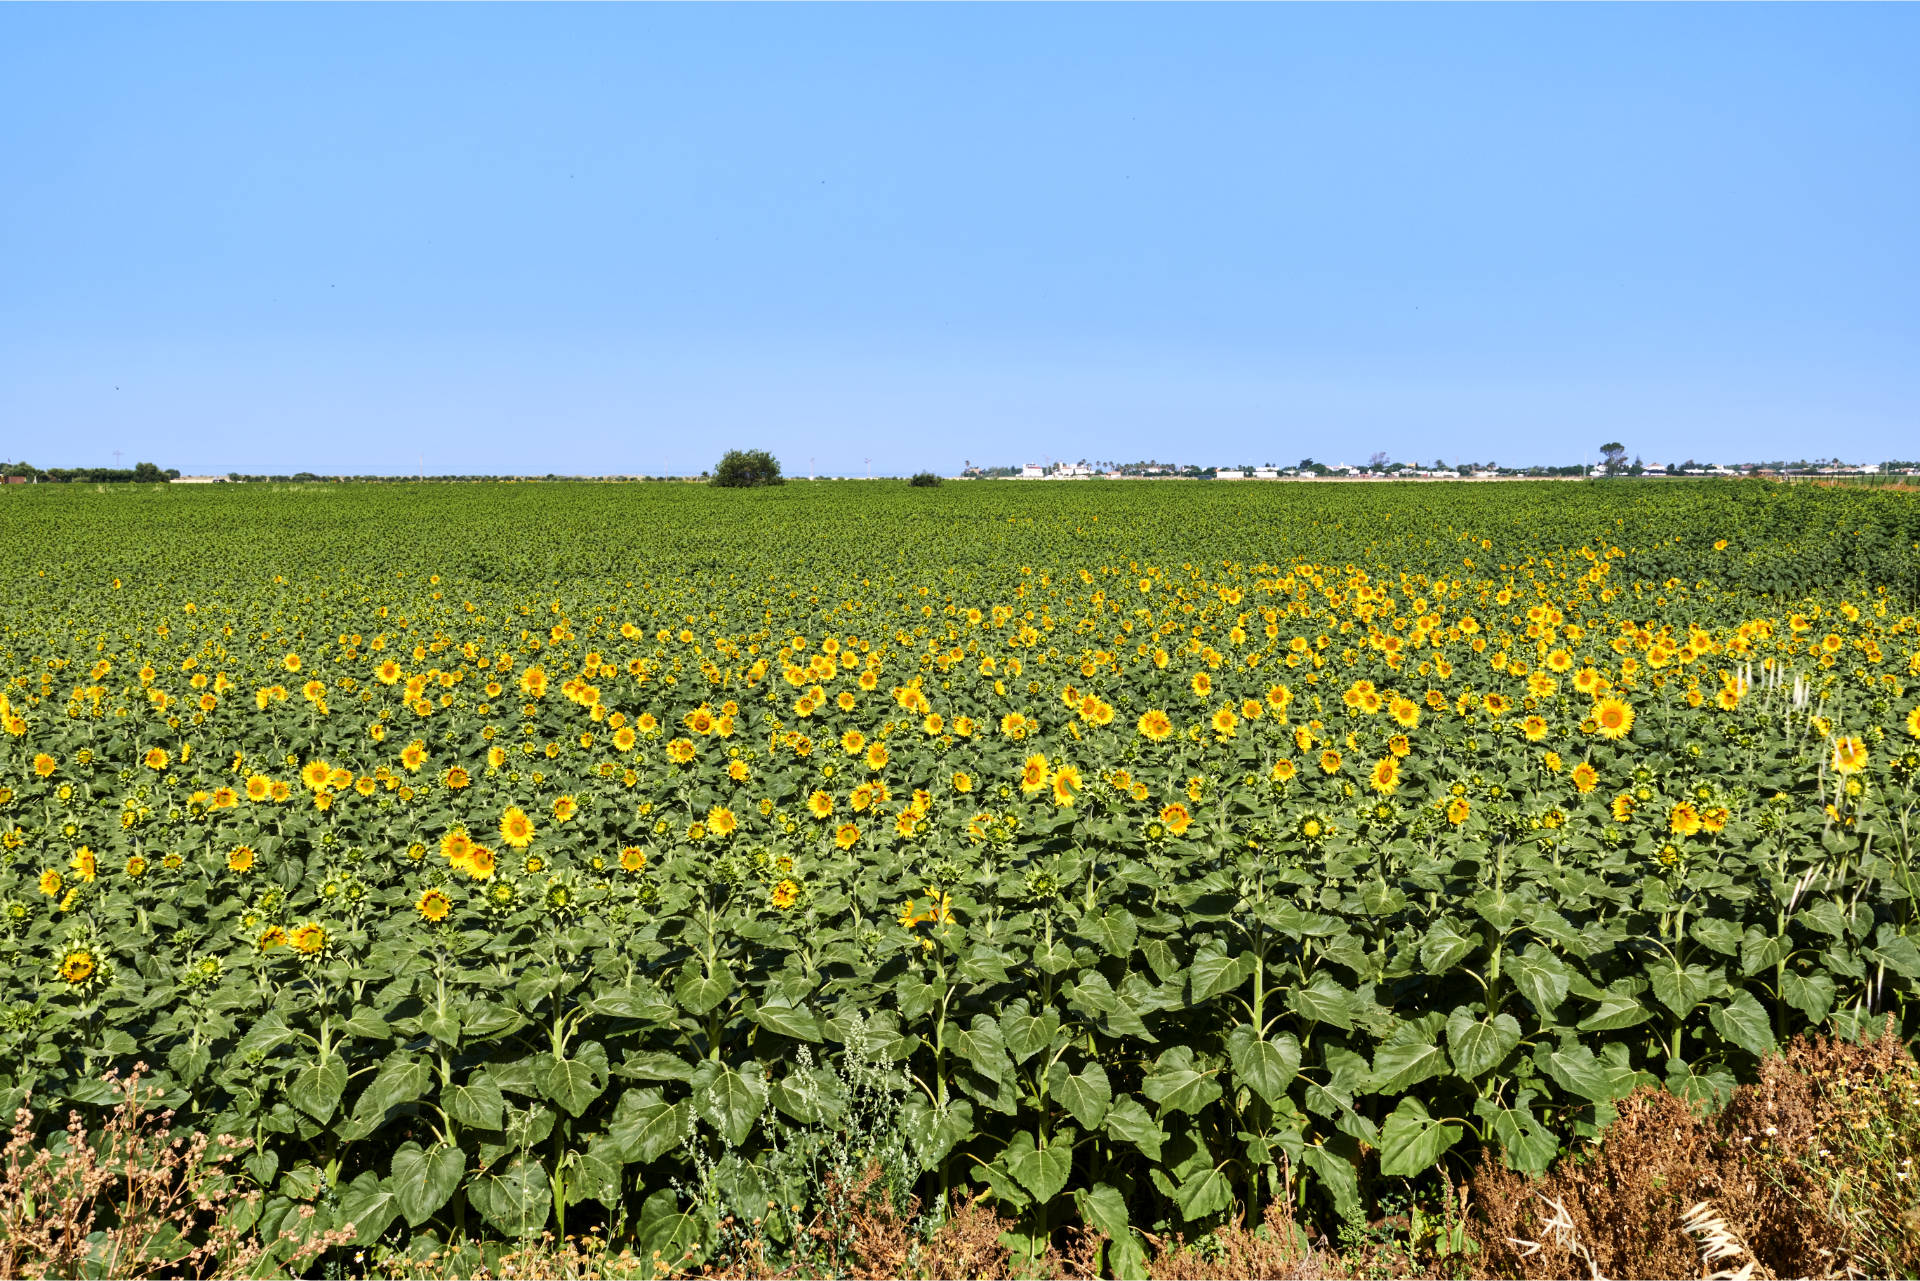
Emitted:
<point x="1267" y="1066"/>
<point x="1086" y="1093"/>
<point x="1410" y="1055"/>
<point x="370" y="1205"/>
<point x="316" y="1088"/>
<point x="698" y="992"/>
<point x="1130" y="1122"/>
<point x="1742" y="1021"/>
<point x="1206" y="1192"/>
<point x="515" y="1199"/>
<point x="1042" y="1171"/>
<point x="423" y="1180"/>
<point x="1479" y="1045"/>
<point x="1178" y="1084"/>
<point x="1324" y="1001"/>
<point x="797" y="1022"/>
<point x="731" y="1100"/>
<point x="478" y="1102"/>
<point x="1526" y="1144"/>
<point x="1411" y="1140"/>
<point x="573" y="1083"/>
<point x="1213" y="973"/>
<point x="644" y="1126"/>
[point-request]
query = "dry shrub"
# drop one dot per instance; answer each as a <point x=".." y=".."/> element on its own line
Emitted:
<point x="133" y="1199"/>
<point x="1667" y="1186"/>
<point x="1277" y="1251"/>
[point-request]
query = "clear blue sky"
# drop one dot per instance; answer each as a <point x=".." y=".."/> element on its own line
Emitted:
<point x="595" y="239"/>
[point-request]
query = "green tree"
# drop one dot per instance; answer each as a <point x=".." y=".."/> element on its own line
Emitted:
<point x="1614" y="455"/>
<point x="747" y="469"/>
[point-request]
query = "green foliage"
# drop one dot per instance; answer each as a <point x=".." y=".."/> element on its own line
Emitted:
<point x="924" y="480"/>
<point x="747" y="469"/>
<point x="1029" y="948"/>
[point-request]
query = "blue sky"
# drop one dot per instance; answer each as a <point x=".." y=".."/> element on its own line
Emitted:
<point x="593" y="239"/>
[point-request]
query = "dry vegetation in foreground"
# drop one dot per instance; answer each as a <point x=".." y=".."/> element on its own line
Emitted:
<point x="1808" y="1172"/>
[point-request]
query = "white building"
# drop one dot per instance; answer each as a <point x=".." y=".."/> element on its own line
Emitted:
<point x="1229" y="473"/>
<point x="1032" y="471"/>
<point x="199" y="480"/>
<point x="1266" y="473"/>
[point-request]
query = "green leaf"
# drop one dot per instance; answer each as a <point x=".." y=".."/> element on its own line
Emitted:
<point x="1541" y="977"/>
<point x="1086" y="1095"/>
<point x="1619" y="1008"/>
<point x="1130" y="1122"/>
<point x="370" y="1206"/>
<point x="1576" y="1070"/>
<point x="935" y="1133"/>
<point x="1811" y="994"/>
<point x="1042" y="1171"/>
<point x="1215" y="973"/>
<point x="1479" y="1045"/>
<point x="731" y="1101"/>
<point x="1102" y="1207"/>
<point x="573" y="1083"/>
<point x="1680" y="990"/>
<point x="478" y="1103"/>
<point x="316" y="1089"/>
<point x="797" y="1022"/>
<point x="423" y="1181"/>
<point x="1412" y="1054"/>
<point x="1027" y="1034"/>
<point x="1411" y="1140"/>
<point x="1337" y="1175"/>
<point x="984" y="1048"/>
<point x="1526" y="1144"/>
<point x="699" y="993"/>
<point x="645" y="1127"/>
<point x="1722" y="935"/>
<point x="401" y="1079"/>
<point x="1204" y="1193"/>
<point x="1324" y="1001"/>
<point x="515" y="1199"/>
<point x="1114" y="930"/>
<point x="1742" y="1021"/>
<point x="1444" y="947"/>
<point x="594" y="1174"/>
<point x="668" y="1232"/>
<point x="1177" y="1085"/>
<point x="1265" y="1067"/>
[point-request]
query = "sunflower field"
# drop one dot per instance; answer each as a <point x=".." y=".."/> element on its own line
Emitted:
<point x="506" y="858"/>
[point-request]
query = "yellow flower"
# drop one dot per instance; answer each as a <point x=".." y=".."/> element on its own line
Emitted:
<point x="1683" y="820"/>
<point x="720" y="821"/>
<point x="308" y="939"/>
<point x="564" y="808"/>
<point x="156" y="758"/>
<point x="315" y="774"/>
<point x="479" y="863"/>
<point x="820" y="804"/>
<point x="785" y="894"/>
<point x="1156" y="725"/>
<point x="516" y="829"/>
<point x="1849" y="755"/>
<point x="1176" y="818"/>
<point x="1458" y="810"/>
<point x="51" y="883"/>
<point x="1386" y="775"/>
<point x="1034" y="774"/>
<point x="1613" y="717"/>
<point x="633" y="859"/>
<point x="434" y="905"/>
<point x="1065" y="783"/>
<point x="845" y="835"/>
<point x="43" y="765"/>
<point x="240" y="858"/>
<point x="1585" y="777"/>
<point x="77" y="966"/>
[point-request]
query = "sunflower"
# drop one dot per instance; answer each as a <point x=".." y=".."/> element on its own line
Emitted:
<point x="1683" y="819"/>
<point x="1202" y="684"/>
<point x="136" y="866"/>
<point x="633" y="859"/>
<point x="820" y="804"/>
<point x="1065" y="783"/>
<point x="315" y="774"/>
<point x="434" y="905"/>
<point x="479" y="863"/>
<point x="51" y="883"/>
<point x="1034" y="774"/>
<point x="44" y="765"/>
<point x="720" y="821"/>
<point x="1223" y="722"/>
<point x="564" y="808"/>
<point x="784" y="895"/>
<point x="1585" y="777"/>
<point x="853" y="742"/>
<point x="85" y="866"/>
<point x="1330" y="762"/>
<point x="1534" y="728"/>
<point x="1155" y="725"/>
<point x="1177" y="818"/>
<point x="309" y="939"/>
<point x="77" y="966"/>
<point x="1613" y="717"/>
<point x="1284" y="770"/>
<point x="1458" y="809"/>
<point x="1849" y="755"/>
<point x="271" y="937"/>
<point x="1622" y="807"/>
<point x="680" y="751"/>
<point x="962" y="781"/>
<point x="259" y="787"/>
<point x="845" y="835"/>
<point x="156" y="758"/>
<point x="1913" y="722"/>
<point x="1385" y="777"/>
<point x="516" y="829"/>
<point x="240" y="858"/>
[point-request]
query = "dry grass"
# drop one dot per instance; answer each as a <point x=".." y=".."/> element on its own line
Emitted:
<point x="132" y="1199"/>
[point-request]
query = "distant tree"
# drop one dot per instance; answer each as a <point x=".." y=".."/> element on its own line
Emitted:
<point x="747" y="469"/>
<point x="1378" y="460"/>
<point x="1614" y="455"/>
<point x="924" y="480"/>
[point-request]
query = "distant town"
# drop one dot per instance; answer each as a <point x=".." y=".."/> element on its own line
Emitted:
<point x="1381" y="467"/>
